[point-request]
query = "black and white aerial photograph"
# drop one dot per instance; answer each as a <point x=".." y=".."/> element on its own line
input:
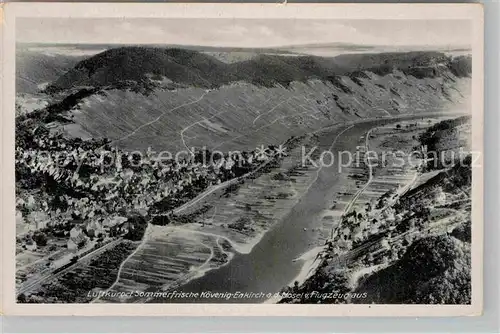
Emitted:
<point x="243" y="161"/>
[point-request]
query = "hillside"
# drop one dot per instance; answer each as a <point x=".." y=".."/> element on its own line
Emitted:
<point x="434" y="270"/>
<point x="424" y="258"/>
<point x="446" y="141"/>
<point x="171" y="100"/>
<point x="34" y="70"/>
<point x="135" y="63"/>
<point x="158" y="97"/>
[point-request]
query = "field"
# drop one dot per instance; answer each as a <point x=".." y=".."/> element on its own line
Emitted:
<point x="390" y="143"/>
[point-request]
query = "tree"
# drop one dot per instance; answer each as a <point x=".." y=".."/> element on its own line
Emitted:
<point x="40" y="239"/>
<point x="463" y="231"/>
<point x="137" y="227"/>
<point x="21" y="298"/>
<point x="368" y="207"/>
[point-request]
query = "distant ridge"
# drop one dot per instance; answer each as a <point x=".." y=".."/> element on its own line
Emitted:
<point x="197" y="69"/>
<point x="338" y="45"/>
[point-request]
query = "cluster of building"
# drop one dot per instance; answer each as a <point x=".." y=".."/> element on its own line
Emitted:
<point x="93" y="193"/>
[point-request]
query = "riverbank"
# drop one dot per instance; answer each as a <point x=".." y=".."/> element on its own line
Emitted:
<point x="279" y="256"/>
<point x="314" y="258"/>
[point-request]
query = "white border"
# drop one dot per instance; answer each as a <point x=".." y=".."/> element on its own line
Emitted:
<point x="473" y="12"/>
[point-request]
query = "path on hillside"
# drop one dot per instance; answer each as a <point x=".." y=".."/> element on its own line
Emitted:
<point x="204" y="119"/>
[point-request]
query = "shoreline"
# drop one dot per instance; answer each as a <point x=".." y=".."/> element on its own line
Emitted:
<point x="311" y="263"/>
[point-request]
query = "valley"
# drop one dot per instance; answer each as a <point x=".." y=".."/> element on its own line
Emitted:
<point x="131" y="198"/>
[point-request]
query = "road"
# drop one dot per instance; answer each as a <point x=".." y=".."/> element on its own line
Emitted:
<point x="270" y="265"/>
<point x="348" y="207"/>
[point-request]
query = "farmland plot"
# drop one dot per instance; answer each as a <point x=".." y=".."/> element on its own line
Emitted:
<point x="165" y="255"/>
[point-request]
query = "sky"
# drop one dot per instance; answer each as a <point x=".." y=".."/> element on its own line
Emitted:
<point x="244" y="32"/>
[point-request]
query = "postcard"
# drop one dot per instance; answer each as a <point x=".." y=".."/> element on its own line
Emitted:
<point x="242" y="159"/>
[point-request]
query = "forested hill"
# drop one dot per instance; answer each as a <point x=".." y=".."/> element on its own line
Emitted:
<point x="192" y="68"/>
<point x="434" y="270"/>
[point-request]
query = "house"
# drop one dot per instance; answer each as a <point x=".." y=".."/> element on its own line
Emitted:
<point x="121" y="229"/>
<point x="440" y="196"/>
<point x="76" y="238"/>
<point x="112" y="223"/>
<point x="94" y="228"/>
<point x="31" y="245"/>
<point x="127" y="227"/>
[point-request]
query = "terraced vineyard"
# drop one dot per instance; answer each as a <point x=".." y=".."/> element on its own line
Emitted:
<point x="240" y="115"/>
<point x="397" y="171"/>
<point x="164" y="256"/>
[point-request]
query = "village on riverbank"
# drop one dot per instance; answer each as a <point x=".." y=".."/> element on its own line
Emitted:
<point x="421" y="206"/>
<point x="85" y="201"/>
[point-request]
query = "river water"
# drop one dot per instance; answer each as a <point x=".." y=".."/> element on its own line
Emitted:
<point x="269" y="266"/>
